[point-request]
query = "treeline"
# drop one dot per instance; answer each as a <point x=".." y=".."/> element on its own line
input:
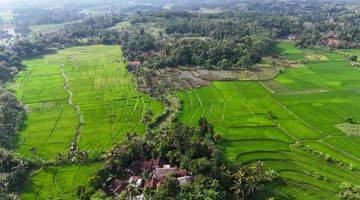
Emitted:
<point x="11" y="116"/>
<point x="187" y="42"/>
<point x="310" y="23"/>
<point x="25" y="17"/>
<point x="91" y="27"/>
<point x="13" y="173"/>
<point x="194" y="25"/>
<point x="92" y="30"/>
<point x="39" y="16"/>
<point x="194" y="150"/>
<point x="210" y="53"/>
<point x="9" y="66"/>
<point x="12" y="167"/>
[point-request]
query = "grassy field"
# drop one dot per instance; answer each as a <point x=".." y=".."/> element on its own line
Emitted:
<point x="306" y="105"/>
<point x="59" y="182"/>
<point x="101" y="89"/>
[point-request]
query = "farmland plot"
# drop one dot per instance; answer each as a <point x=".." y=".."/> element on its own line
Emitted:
<point x="81" y="98"/>
<point x="81" y="94"/>
<point x="289" y="122"/>
<point x="58" y="182"/>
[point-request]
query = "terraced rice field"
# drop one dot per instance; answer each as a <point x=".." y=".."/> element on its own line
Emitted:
<point x="306" y="104"/>
<point x="81" y="94"/>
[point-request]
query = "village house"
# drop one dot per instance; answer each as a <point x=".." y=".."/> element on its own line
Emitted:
<point x="184" y="180"/>
<point x="157" y="171"/>
<point x="135" y="181"/>
<point x="160" y="173"/>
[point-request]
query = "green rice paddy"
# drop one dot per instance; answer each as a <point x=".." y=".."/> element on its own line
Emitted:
<point x="80" y="94"/>
<point x="102" y="89"/>
<point x="306" y="104"/>
<point x="58" y="182"/>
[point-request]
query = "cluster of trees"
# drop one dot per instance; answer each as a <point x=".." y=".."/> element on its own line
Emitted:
<point x="11" y="116"/>
<point x="38" y="16"/>
<point x="9" y="65"/>
<point x="310" y="23"/>
<point x="91" y="26"/>
<point x="92" y="30"/>
<point x="349" y="192"/>
<point x="12" y="168"/>
<point x="199" y="39"/>
<point x="223" y="54"/>
<point x="192" y="149"/>
<point x="25" y="17"/>
<point x="326" y="157"/>
<point x="26" y="47"/>
<point x="207" y="27"/>
<point x="13" y="173"/>
<point x="354" y="60"/>
<point x="203" y="46"/>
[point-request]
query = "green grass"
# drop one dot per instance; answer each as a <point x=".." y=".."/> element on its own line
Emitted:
<point x="101" y="87"/>
<point x="307" y="103"/>
<point x="59" y="182"/>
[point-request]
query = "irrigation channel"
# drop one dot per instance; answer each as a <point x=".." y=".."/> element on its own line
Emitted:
<point x="73" y="146"/>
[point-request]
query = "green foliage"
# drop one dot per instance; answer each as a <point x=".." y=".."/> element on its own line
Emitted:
<point x="249" y="179"/>
<point x="352" y="58"/>
<point x="169" y="190"/>
<point x="100" y="195"/>
<point x="45" y="16"/>
<point x="206" y="52"/>
<point x="11" y="115"/>
<point x="9" y="66"/>
<point x="349" y="192"/>
<point x="13" y="172"/>
<point x="148" y="116"/>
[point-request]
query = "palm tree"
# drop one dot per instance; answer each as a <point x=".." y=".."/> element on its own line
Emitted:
<point x="238" y="190"/>
<point x="240" y="181"/>
<point x="251" y="185"/>
<point x="130" y="192"/>
<point x="257" y="170"/>
<point x="10" y="197"/>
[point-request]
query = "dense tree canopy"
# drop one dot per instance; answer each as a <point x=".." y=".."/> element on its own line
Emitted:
<point x="194" y="150"/>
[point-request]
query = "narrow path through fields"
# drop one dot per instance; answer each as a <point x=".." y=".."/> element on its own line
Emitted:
<point x="77" y="108"/>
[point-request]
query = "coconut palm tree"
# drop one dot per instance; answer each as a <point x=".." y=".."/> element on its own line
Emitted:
<point x="257" y="170"/>
<point x="240" y="180"/>
<point x="130" y="192"/>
